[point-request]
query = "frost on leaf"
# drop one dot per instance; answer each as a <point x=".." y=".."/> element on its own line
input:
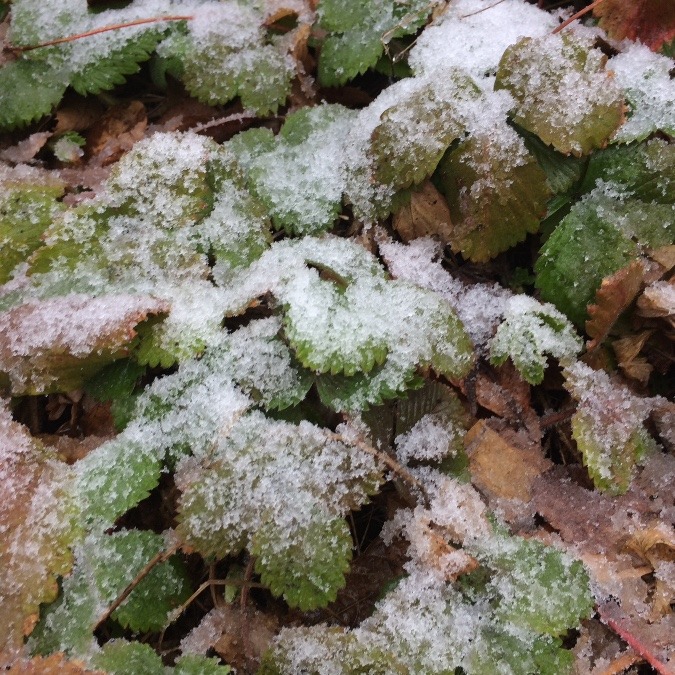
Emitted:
<point x="226" y="52"/>
<point x="359" y="31"/>
<point x="37" y="527"/>
<point x="563" y="93"/>
<point x="650" y="92"/>
<point x="28" y="204"/>
<point x="342" y="316"/>
<point x="645" y="171"/>
<point x="608" y="427"/>
<point x="281" y="491"/>
<point x="300" y="175"/>
<point x="651" y="22"/>
<point x="92" y="65"/>
<point x="530" y="331"/>
<point x="413" y="134"/>
<point x="55" y="345"/>
<point x="495" y="189"/>
<point x="105" y="564"/>
<point x="472" y="37"/>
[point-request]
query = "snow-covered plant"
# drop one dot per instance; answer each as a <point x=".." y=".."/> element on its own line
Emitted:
<point x="252" y="353"/>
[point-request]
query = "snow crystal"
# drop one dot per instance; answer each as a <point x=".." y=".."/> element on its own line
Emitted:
<point x="432" y="438"/>
<point x="473" y="34"/>
<point x="645" y="76"/>
<point x="479" y="306"/>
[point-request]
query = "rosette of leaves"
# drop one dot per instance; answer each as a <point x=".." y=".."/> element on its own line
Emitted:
<point x="281" y="491"/>
<point x="343" y="318"/>
<point x="510" y="613"/>
<point x="358" y="33"/>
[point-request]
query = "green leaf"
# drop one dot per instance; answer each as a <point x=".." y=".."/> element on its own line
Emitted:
<point x="29" y="90"/>
<point x="124" y="470"/>
<point x="495" y="190"/>
<point x="497" y="649"/>
<point x="414" y="133"/>
<point x="273" y="487"/>
<point x="645" y="171"/>
<point x="608" y="427"/>
<point x="540" y="588"/>
<point x="359" y="32"/>
<point x="650" y="91"/>
<point x="112" y="70"/>
<point x="361" y="391"/>
<point x="584" y="249"/>
<point x="309" y="571"/>
<point x="544" y="75"/>
<point x="300" y="177"/>
<point x="226" y="53"/>
<point x="26" y="210"/>
<point x="105" y="566"/>
<point x="530" y="331"/>
<point x="563" y="172"/>
<point x="120" y="657"/>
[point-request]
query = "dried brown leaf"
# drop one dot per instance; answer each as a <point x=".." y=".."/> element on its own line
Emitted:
<point x="25" y="151"/>
<point x="652" y="22"/>
<point x="627" y="350"/>
<point x="427" y="215"/>
<point x="613" y="297"/>
<point x="117" y="132"/>
<point x="502" y="468"/>
<point x="55" y="664"/>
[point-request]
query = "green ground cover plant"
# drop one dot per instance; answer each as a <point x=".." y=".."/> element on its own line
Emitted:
<point x="431" y="260"/>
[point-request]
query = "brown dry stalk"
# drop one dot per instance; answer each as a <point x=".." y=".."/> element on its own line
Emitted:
<point x="161" y="557"/>
<point x="576" y="16"/>
<point x="96" y="31"/>
<point x="384" y="458"/>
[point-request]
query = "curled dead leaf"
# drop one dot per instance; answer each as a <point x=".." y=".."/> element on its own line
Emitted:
<point x="613" y="297"/>
<point x="426" y="215"/>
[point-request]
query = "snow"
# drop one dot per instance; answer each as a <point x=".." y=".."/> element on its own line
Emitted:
<point x="650" y="90"/>
<point x="472" y="35"/>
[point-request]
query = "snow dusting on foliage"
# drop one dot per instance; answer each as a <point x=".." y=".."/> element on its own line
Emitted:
<point x="219" y="361"/>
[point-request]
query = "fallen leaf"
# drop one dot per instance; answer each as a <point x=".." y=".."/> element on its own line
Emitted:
<point x="37" y="527"/>
<point x="117" y="132"/>
<point x="55" y="664"/>
<point x="25" y="151"/>
<point x="658" y="300"/>
<point x="613" y="297"/>
<point x="651" y="22"/>
<point x="627" y="349"/>
<point x="500" y="467"/>
<point x="426" y="215"/>
<point x="56" y="344"/>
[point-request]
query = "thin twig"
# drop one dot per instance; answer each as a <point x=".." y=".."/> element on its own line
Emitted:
<point x="384" y="458"/>
<point x="236" y="117"/>
<point x="556" y="418"/>
<point x="161" y="557"/>
<point x="482" y="9"/>
<point x="576" y="16"/>
<point x="96" y="31"/>
<point x="644" y="651"/>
